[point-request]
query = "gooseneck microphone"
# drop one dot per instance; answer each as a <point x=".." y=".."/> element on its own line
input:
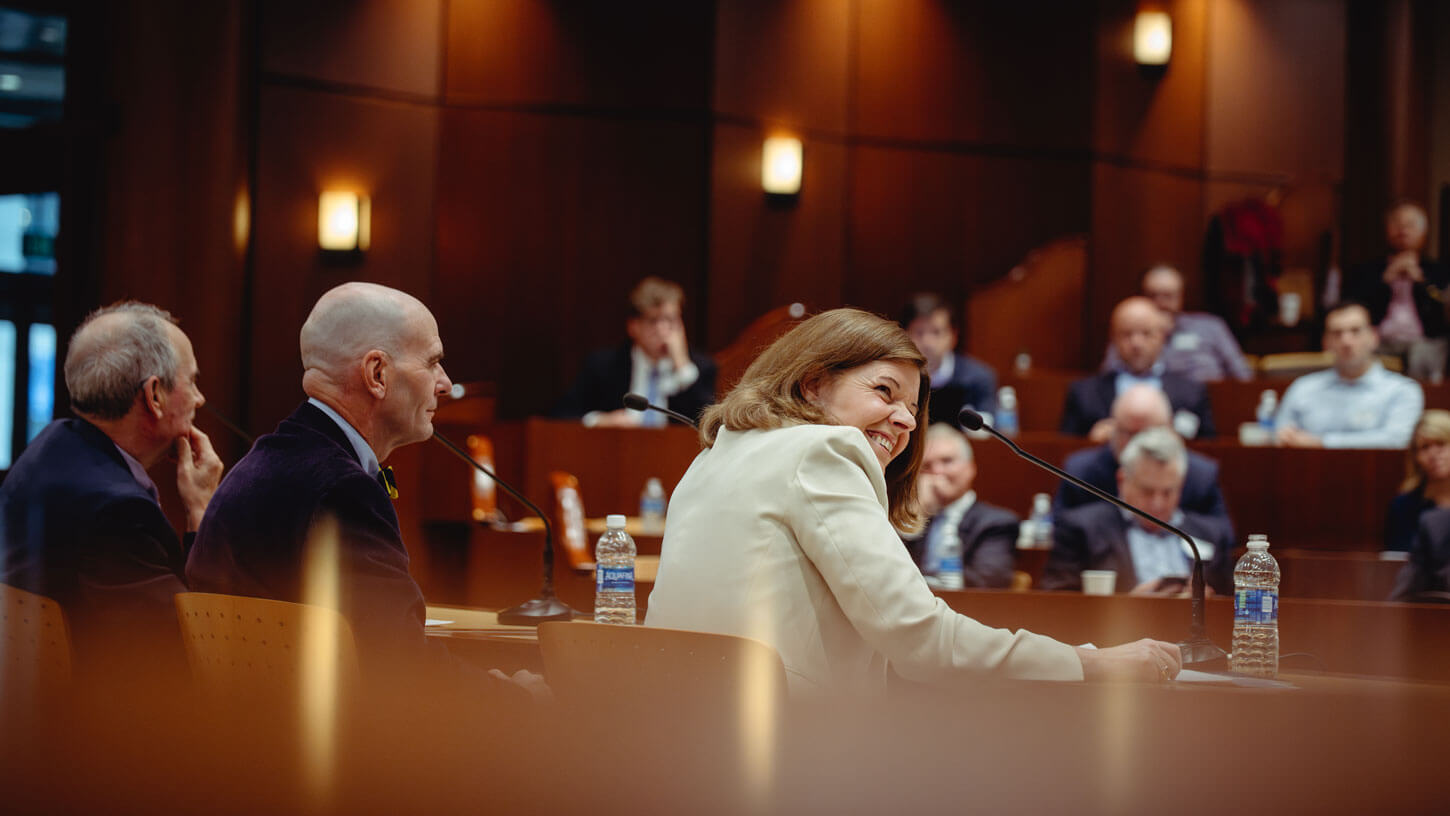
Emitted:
<point x="637" y="402"/>
<point x="1197" y="649"/>
<point x="547" y="606"/>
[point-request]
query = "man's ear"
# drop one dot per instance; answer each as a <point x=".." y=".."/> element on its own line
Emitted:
<point x="375" y="373"/>
<point x="153" y="397"/>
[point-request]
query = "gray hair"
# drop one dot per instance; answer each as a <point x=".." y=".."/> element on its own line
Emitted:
<point x="941" y="430"/>
<point x="106" y="363"/>
<point x="1161" y="445"/>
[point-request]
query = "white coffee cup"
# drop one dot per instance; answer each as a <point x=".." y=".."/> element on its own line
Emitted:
<point x="1289" y="308"/>
<point x="1099" y="582"/>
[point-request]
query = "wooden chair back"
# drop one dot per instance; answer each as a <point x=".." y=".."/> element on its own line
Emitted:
<point x="35" y="648"/>
<point x="570" y="535"/>
<point x="247" y="647"/>
<point x="1045" y="292"/>
<point x="731" y="361"/>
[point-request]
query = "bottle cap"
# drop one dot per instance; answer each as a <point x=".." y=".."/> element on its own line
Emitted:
<point x="614" y="521"/>
<point x="653" y="483"/>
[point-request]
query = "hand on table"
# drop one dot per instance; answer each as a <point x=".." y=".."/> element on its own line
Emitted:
<point x="1143" y="661"/>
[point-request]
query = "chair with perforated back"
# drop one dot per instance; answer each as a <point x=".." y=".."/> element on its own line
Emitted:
<point x="639" y="671"/>
<point x="35" y="648"/>
<point x="255" y="646"/>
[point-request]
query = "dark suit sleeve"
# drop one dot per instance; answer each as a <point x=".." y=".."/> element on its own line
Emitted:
<point x="598" y="377"/>
<point x="1204" y="409"/>
<point x="1074" y="414"/>
<point x="1069" y="555"/>
<point x="381" y="600"/>
<point x="1218" y="571"/>
<point x="693" y="400"/>
<point x="1425" y="571"/>
<point x="989" y="550"/>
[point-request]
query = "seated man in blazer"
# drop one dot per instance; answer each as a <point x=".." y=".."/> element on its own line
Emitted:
<point x="1148" y="559"/>
<point x="1135" y="410"/>
<point x="657" y="363"/>
<point x="957" y="380"/>
<point x="1138" y="331"/>
<point x="311" y="494"/>
<point x="987" y="534"/>
<point x="82" y="523"/>
<point x="1428" y="570"/>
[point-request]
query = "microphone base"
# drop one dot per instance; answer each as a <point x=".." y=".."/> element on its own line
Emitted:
<point x="1200" y="653"/>
<point x="535" y="612"/>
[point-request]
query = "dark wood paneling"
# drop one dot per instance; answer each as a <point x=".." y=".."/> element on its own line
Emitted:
<point x="784" y="62"/>
<point x="391" y="45"/>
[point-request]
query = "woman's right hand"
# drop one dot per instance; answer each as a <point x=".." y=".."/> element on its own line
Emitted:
<point x="1142" y="661"/>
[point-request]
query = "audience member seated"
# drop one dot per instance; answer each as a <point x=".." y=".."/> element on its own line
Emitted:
<point x="1200" y="345"/>
<point x="657" y="362"/>
<point x="1427" y="480"/>
<point x="1426" y="576"/>
<point x="1405" y="295"/>
<point x="1136" y="410"/>
<point x="957" y="381"/>
<point x="987" y="534"/>
<point x="1137" y="333"/>
<point x="1355" y="404"/>
<point x="784" y="528"/>
<point x="1147" y="559"/>
<point x="82" y="523"/>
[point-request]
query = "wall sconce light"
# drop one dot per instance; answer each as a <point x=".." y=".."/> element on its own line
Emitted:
<point x="1152" y="38"/>
<point x="343" y="222"/>
<point x="780" y="166"/>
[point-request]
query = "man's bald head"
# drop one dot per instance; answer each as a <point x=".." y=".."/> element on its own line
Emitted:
<point x="351" y="320"/>
<point x="1136" y="410"/>
<point x="1139" y="329"/>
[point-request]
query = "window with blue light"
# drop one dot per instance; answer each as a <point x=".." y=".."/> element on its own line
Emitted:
<point x="7" y="390"/>
<point x="42" y="379"/>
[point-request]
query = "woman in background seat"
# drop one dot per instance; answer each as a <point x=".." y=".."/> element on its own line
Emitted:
<point x="1427" y="479"/>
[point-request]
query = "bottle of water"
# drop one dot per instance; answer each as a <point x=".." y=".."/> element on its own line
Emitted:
<point x="1041" y="522"/>
<point x="1256" y="612"/>
<point x="614" y="574"/>
<point x="1268" y="405"/>
<point x="1022" y="363"/>
<point x="652" y="507"/>
<point x="1007" y="410"/>
<point x="949" y="570"/>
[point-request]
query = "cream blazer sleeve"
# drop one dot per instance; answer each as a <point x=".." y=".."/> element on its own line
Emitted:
<point x="836" y="510"/>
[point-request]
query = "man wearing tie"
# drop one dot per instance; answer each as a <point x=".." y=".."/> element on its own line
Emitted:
<point x="657" y="363"/>
<point x="310" y="505"/>
<point x="987" y="534"/>
<point x="82" y="524"/>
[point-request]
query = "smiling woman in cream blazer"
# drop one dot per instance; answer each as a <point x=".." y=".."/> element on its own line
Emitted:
<point x="782" y="529"/>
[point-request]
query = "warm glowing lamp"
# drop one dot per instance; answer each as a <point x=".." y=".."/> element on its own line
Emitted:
<point x="343" y="221"/>
<point x="780" y="166"/>
<point x="1152" y="38"/>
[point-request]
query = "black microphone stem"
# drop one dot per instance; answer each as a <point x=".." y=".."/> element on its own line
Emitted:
<point x="1197" y="648"/>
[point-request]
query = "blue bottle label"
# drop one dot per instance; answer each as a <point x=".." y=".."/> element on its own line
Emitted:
<point x="951" y="564"/>
<point x="1256" y="606"/>
<point x="614" y="579"/>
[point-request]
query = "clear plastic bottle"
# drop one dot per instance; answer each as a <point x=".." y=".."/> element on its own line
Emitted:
<point x="652" y="507"/>
<point x="614" y="574"/>
<point x="1256" y="612"/>
<point x="1041" y="522"/>
<point x="1268" y="406"/>
<point x="1007" y="410"/>
<point x="949" y="570"/>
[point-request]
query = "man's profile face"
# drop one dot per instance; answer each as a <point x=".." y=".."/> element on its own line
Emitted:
<point x="1165" y="288"/>
<point x="1352" y="340"/>
<point x="652" y="330"/>
<point x="181" y="402"/>
<point x="1139" y="329"/>
<point x="934" y="336"/>
<point x="1152" y="486"/>
<point x="416" y="380"/>
<point x="945" y="458"/>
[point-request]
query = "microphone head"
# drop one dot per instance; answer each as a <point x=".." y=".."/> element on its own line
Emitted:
<point x="969" y="419"/>
<point x="636" y="402"/>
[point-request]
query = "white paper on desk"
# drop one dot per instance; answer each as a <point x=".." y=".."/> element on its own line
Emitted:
<point x="1191" y="676"/>
<point x="436" y="622"/>
<point x="1244" y="681"/>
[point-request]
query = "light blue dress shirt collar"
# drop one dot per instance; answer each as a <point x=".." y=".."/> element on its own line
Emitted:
<point x="360" y="446"/>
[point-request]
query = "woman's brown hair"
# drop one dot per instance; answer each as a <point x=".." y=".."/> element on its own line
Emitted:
<point x="1434" y="425"/>
<point x="771" y="394"/>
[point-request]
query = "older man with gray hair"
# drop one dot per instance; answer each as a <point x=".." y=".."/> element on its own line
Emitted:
<point x="985" y="534"/>
<point x="373" y="371"/>
<point x="82" y="520"/>
<point x="1147" y="559"/>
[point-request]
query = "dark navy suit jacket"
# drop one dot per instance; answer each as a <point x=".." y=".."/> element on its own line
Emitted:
<point x="1428" y="569"/>
<point x="1091" y="399"/>
<point x="79" y="529"/>
<point x="972" y="383"/>
<point x="989" y="539"/>
<point x="1095" y="536"/>
<point x="254" y="538"/>
<point x="604" y="380"/>
<point x="1099" y="468"/>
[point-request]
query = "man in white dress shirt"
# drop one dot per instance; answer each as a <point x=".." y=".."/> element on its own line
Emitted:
<point x="1356" y="404"/>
